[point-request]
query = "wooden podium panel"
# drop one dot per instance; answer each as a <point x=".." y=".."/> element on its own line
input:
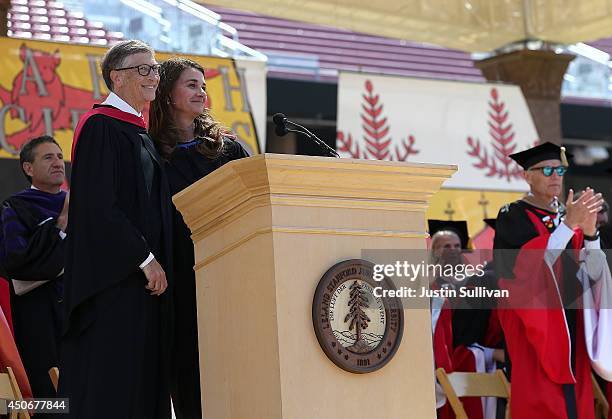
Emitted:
<point x="265" y="230"/>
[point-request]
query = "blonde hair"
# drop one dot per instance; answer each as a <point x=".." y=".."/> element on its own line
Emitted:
<point x="435" y="258"/>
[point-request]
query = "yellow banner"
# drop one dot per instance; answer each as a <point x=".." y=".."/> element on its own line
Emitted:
<point x="472" y="206"/>
<point x="46" y="86"/>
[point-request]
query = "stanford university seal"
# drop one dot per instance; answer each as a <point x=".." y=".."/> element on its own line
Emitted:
<point x="359" y="332"/>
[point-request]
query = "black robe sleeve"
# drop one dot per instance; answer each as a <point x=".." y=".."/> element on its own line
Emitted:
<point x="471" y="317"/>
<point x="31" y="252"/>
<point x="42" y="259"/>
<point x="103" y="244"/>
<point x="512" y="230"/>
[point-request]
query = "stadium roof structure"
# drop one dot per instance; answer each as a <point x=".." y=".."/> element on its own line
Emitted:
<point x="299" y="50"/>
<point x="467" y="25"/>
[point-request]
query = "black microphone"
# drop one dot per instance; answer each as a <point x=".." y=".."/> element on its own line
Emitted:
<point x="281" y="121"/>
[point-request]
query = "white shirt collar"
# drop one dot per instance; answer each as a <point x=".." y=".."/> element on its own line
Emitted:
<point x="113" y="100"/>
<point x="36" y="189"/>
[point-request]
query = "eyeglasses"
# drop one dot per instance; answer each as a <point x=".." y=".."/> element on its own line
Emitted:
<point x="548" y="170"/>
<point x="143" y="69"/>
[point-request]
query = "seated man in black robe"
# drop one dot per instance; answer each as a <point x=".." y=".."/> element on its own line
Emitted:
<point x="118" y="314"/>
<point x="32" y="256"/>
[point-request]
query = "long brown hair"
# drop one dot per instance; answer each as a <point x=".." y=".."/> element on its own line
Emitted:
<point x="162" y="126"/>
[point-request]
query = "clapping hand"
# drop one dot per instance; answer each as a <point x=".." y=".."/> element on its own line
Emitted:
<point x="62" y="219"/>
<point x="583" y="211"/>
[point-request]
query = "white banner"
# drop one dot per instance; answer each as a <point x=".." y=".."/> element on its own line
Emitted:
<point x="472" y="125"/>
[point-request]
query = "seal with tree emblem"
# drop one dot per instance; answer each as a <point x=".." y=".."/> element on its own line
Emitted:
<point x="358" y="331"/>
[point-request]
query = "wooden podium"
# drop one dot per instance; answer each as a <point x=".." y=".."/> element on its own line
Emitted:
<point x="265" y="230"/>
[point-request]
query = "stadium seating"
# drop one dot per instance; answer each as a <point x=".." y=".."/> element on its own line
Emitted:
<point x="49" y="20"/>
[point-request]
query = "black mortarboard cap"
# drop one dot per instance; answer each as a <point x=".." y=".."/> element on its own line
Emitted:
<point x="541" y="152"/>
<point x="490" y="222"/>
<point x="458" y="227"/>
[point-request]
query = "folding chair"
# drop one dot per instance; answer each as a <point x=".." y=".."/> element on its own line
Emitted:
<point x="54" y="375"/>
<point x="473" y="384"/>
<point x="601" y="403"/>
<point x="9" y="390"/>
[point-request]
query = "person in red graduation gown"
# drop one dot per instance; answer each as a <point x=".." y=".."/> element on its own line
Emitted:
<point x="550" y="371"/>
<point x="9" y="357"/>
<point x="5" y="303"/>
<point x="116" y="343"/>
<point x="605" y="230"/>
<point x="462" y="336"/>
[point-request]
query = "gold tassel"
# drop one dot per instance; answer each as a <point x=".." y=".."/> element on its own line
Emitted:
<point x="563" y="157"/>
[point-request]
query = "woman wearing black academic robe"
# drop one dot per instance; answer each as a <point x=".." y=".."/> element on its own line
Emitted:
<point x="193" y="145"/>
<point x="185" y="167"/>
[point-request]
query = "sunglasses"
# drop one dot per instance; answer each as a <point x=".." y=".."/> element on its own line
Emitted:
<point x="143" y="69"/>
<point x="548" y="170"/>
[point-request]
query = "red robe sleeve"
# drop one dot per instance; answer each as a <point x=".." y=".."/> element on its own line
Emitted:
<point x="9" y="357"/>
<point x="535" y="300"/>
<point x="5" y="302"/>
<point x="443" y="340"/>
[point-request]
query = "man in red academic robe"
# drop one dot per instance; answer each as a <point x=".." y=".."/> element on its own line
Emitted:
<point x="536" y="247"/>
<point x="606" y="243"/>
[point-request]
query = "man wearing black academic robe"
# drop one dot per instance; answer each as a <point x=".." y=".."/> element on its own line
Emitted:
<point x="117" y="340"/>
<point x="31" y="252"/>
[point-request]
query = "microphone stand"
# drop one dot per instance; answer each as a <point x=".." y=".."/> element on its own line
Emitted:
<point x="304" y="131"/>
